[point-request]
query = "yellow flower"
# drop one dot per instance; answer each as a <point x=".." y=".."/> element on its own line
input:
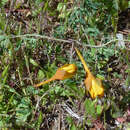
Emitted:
<point x="93" y="85"/>
<point x="64" y="72"/>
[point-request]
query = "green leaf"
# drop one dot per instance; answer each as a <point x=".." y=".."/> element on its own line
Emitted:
<point x="89" y="122"/>
<point x="1" y="98"/>
<point x="23" y="110"/>
<point x="73" y="127"/>
<point x="3" y="2"/>
<point x="33" y="62"/>
<point x="31" y="90"/>
<point x="99" y="109"/>
<point x="69" y="120"/>
<point x="60" y="6"/>
<point x="117" y="114"/>
<point x="58" y="89"/>
<point x="40" y="75"/>
<point x="5" y="71"/>
<point x="90" y="107"/>
<point x="100" y="77"/>
<point x="40" y="119"/>
<point x="4" y="75"/>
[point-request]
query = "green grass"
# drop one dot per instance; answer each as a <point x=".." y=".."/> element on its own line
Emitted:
<point x="32" y="51"/>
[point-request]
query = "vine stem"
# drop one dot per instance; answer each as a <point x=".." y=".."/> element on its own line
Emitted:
<point x="65" y="41"/>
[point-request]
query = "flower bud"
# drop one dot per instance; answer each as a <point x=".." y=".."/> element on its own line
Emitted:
<point x="93" y="85"/>
<point x="64" y="72"/>
<point x="95" y="89"/>
<point x="70" y="68"/>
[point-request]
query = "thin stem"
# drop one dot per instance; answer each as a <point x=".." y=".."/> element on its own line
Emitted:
<point x="83" y="61"/>
<point x="45" y="82"/>
<point x="40" y="36"/>
<point x="62" y="40"/>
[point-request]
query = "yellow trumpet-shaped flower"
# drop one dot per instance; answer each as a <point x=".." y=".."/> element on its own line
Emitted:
<point x="93" y="85"/>
<point x="64" y="72"/>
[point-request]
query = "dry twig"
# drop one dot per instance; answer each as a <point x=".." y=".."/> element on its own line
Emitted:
<point x="62" y="40"/>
